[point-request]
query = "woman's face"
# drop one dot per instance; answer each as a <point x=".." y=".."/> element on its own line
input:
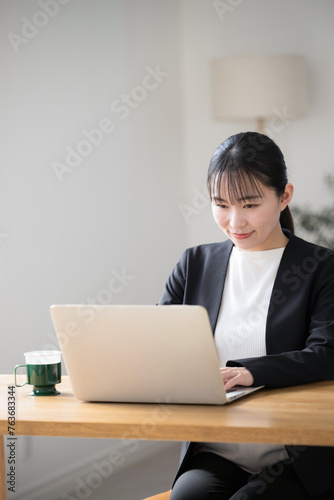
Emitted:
<point x="252" y="223"/>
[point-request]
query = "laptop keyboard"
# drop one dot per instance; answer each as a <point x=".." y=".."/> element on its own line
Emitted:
<point x="235" y="388"/>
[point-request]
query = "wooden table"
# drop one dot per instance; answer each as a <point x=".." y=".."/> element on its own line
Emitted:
<point x="302" y="415"/>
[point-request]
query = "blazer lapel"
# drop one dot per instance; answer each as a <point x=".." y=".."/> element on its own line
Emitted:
<point x="284" y="302"/>
<point x="216" y="276"/>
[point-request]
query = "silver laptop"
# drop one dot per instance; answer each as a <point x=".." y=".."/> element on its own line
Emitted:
<point x="141" y="354"/>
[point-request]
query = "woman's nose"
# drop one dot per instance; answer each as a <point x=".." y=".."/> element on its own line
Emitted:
<point x="237" y="219"/>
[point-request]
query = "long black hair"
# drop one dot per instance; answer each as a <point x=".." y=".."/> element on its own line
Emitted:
<point x="247" y="160"/>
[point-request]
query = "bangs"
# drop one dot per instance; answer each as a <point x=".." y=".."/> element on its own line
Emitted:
<point x="234" y="185"/>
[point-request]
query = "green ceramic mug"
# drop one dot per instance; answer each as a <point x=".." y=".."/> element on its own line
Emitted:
<point x="43" y="372"/>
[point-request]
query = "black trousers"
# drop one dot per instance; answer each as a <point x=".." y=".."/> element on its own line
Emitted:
<point x="211" y="477"/>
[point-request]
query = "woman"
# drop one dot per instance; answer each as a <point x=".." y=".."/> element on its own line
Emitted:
<point x="270" y="299"/>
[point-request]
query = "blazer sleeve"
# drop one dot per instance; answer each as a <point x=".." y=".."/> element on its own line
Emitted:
<point x="314" y="361"/>
<point x="175" y="285"/>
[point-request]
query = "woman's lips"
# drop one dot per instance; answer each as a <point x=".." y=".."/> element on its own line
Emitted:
<point x="242" y="236"/>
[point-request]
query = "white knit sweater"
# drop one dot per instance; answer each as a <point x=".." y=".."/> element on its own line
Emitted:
<point x="240" y="333"/>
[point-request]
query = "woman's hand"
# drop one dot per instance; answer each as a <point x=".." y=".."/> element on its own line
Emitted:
<point x="236" y="376"/>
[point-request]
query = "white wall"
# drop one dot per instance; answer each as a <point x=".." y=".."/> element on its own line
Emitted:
<point x="114" y="212"/>
<point x="119" y="209"/>
<point x="258" y="27"/>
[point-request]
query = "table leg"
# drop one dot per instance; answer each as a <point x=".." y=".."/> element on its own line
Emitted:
<point x="3" y="491"/>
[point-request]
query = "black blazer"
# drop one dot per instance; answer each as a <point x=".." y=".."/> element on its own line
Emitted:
<point x="299" y="330"/>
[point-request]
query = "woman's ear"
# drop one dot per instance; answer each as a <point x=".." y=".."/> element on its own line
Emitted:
<point x="286" y="196"/>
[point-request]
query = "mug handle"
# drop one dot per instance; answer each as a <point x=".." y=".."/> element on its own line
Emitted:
<point x="15" y="368"/>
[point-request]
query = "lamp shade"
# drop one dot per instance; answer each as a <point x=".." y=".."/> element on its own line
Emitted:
<point x="253" y="86"/>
